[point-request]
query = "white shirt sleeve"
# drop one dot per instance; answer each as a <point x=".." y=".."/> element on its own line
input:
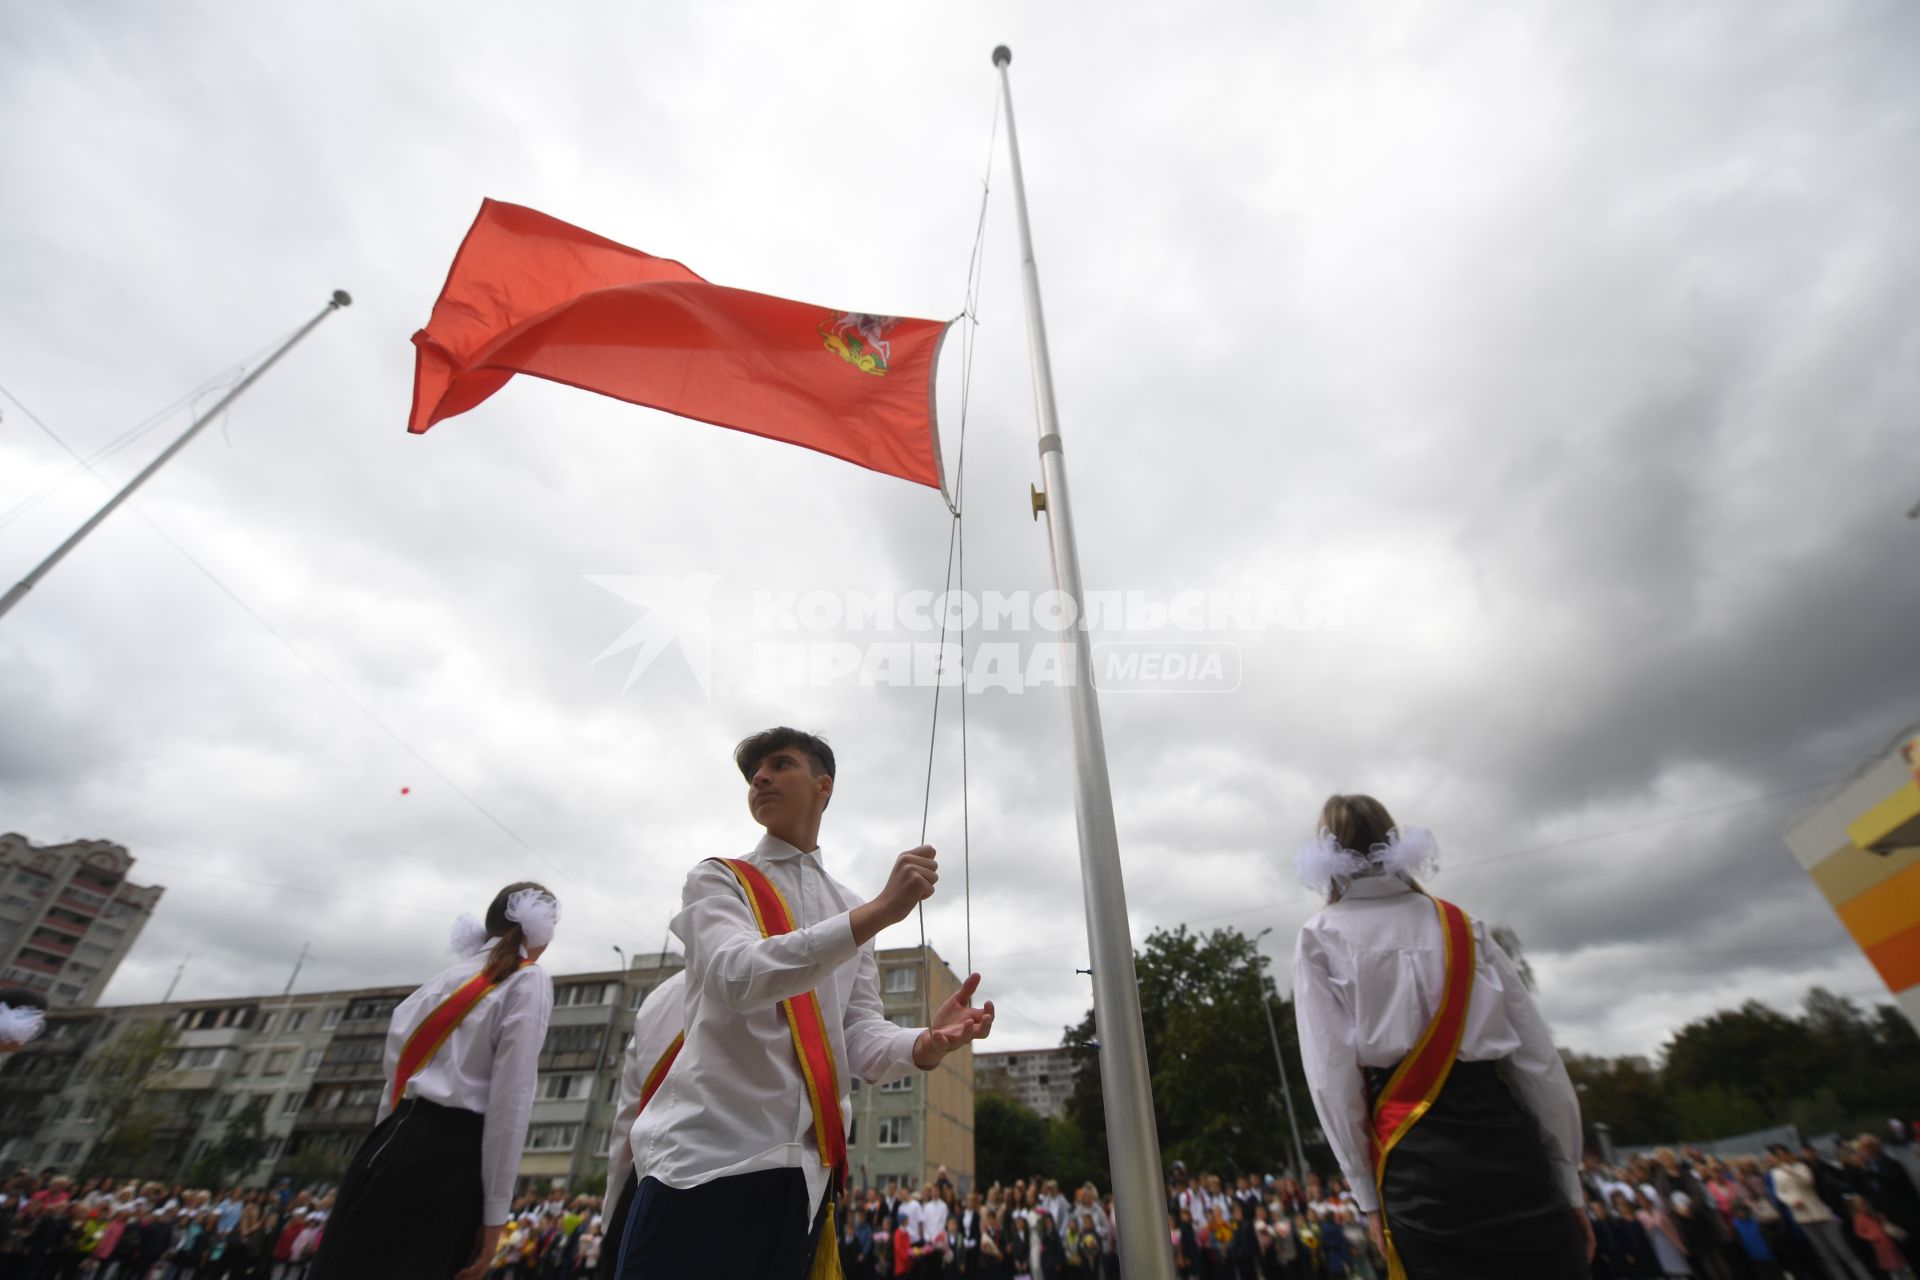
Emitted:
<point x="632" y="1081"/>
<point x="1538" y="1073"/>
<point x="1323" y="1012"/>
<point x="727" y="956"/>
<point x="528" y="999"/>
<point x="877" y="1050"/>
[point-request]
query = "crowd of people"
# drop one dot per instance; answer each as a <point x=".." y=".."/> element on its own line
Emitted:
<point x="54" y="1228"/>
<point x="1787" y="1214"/>
<point x="1852" y="1216"/>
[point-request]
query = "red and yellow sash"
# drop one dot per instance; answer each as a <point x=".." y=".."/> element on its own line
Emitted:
<point x="1422" y="1074"/>
<point x="431" y="1034"/>
<point x="809" y="1029"/>
<point x="658" y="1075"/>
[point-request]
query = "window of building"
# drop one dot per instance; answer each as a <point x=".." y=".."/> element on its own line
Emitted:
<point x="853" y="1130"/>
<point x="248" y="1062"/>
<point x="69" y="1152"/>
<point x="290" y="1104"/>
<point x="311" y="1062"/>
<point x="894" y="1131"/>
<point x="197" y="1059"/>
<point x="273" y="1150"/>
<point x="580" y="993"/>
<point x="904" y="1020"/>
<point x="331" y="1020"/>
<point x="371" y="1009"/>
<point x="613" y="1088"/>
<point x="62" y="1109"/>
<point x="279" y="1061"/>
<point x="639" y="997"/>
<point x="67" y="991"/>
<point x="574" y="1039"/>
<point x="222" y="1105"/>
<point x="558" y="1087"/>
<point x="362" y="1095"/>
<point x="296" y="1019"/>
<point x="348" y="1052"/>
<point x="552" y="1137"/>
<point x="903" y="1085"/>
<point x="87" y="1110"/>
<point x="902" y="978"/>
<point x="266" y="1024"/>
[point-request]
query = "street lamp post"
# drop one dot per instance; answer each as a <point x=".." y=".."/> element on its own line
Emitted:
<point x="1280" y="1061"/>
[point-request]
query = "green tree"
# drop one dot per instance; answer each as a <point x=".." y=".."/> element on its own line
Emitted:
<point x="1216" y="1096"/>
<point x="1625" y="1094"/>
<point x="314" y="1166"/>
<point x="239" y="1148"/>
<point x="1010" y="1140"/>
<point x="1759" y="1052"/>
<point x="1719" y="1111"/>
<point x="124" y="1070"/>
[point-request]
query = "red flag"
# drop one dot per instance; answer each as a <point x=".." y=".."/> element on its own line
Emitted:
<point x="530" y="294"/>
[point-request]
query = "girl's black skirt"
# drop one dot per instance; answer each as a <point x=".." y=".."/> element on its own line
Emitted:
<point x="410" y="1205"/>
<point x="1470" y="1193"/>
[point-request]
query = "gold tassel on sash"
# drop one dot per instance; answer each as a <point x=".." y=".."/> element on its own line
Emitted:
<point x="826" y="1258"/>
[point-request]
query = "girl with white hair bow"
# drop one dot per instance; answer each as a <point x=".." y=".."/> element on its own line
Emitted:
<point x="432" y="1185"/>
<point x="1436" y="1079"/>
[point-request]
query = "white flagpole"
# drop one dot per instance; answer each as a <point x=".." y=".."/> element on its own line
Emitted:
<point x="1133" y="1144"/>
<point x="26" y="584"/>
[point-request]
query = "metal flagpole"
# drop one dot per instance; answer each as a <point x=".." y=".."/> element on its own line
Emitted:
<point x="26" y="584"/>
<point x="1133" y="1145"/>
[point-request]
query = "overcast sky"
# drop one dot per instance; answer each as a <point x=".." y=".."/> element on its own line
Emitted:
<point x="1574" y="349"/>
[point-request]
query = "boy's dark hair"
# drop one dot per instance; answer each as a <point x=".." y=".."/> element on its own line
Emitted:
<point x="753" y="750"/>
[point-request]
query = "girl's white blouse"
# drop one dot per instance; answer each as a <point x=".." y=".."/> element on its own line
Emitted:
<point x="1367" y="976"/>
<point x="489" y="1064"/>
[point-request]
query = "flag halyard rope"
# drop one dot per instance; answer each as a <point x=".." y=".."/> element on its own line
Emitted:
<point x="954" y="579"/>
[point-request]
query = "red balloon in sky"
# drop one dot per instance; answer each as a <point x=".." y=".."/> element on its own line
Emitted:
<point x="405" y="790"/>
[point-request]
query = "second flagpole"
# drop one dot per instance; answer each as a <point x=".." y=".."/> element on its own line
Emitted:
<point x="59" y="553"/>
<point x="1133" y="1143"/>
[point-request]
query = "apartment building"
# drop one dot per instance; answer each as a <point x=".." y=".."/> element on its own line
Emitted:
<point x="68" y="915"/>
<point x="315" y="1061"/>
<point x="1039" y="1079"/>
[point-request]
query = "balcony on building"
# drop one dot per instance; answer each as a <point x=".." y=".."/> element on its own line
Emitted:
<point x="74" y="902"/>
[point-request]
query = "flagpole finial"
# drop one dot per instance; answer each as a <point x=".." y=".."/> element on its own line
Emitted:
<point x="341" y="298"/>
<point x="1002" y="55"/>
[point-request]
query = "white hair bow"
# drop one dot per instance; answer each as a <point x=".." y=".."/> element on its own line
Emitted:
<point x="1323" y="862"/>
<point x="17" y="1026"/>
<point x="537" y="912"/>
<point x="468" y="936"/>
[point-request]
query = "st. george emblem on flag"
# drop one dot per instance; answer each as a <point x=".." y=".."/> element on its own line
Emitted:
<point x="530" y="294"/>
